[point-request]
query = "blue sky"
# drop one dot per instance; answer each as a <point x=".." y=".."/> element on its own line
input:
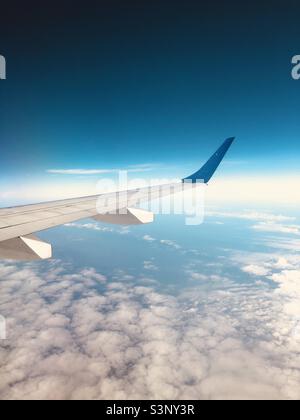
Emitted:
<point x="148" y="84"/>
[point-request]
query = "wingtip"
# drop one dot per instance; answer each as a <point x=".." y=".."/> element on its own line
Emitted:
<point x="208" y="169"/>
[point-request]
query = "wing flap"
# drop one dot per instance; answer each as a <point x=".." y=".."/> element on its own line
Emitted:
<point x="27" y="248"/>
<point x="127" y="217"/>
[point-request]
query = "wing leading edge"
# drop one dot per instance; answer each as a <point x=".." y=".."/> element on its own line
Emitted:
<point x="18" y="224"/>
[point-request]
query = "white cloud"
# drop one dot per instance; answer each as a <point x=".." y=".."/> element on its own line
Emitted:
<point x="286" y="244"/>
<point x="80" y="335"/>
<point x="167" y="242"/>
<point x="170" y="243"/>
<point x="121" y="230"/>
<point x="251" y="215"/>
<point x="149" y="265"/>
<point x="256" y="270"/>
<point x="195" y="275"/>
<point x="285" y="273"/>
<point x="78" y="171"/>
<point x="199" y="276"/>
<point x="148" y="238"/>
<point x="289" y="287"/>
<point x="90" y="226"/>
<point x="81" y="171"/>
<point x="277" y="228"/>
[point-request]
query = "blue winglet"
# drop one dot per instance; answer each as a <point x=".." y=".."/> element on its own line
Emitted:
<point x="206" y="172"/>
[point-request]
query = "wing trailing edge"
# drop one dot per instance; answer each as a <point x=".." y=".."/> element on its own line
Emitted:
<point x="130" y="216"/>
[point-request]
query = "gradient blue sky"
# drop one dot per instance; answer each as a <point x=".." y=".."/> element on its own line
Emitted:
<point x="120" y="83"/>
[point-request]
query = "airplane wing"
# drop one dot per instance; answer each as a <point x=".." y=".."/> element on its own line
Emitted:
<point x="18" y="224"/>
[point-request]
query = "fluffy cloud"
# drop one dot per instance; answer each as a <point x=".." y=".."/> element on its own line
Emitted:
<point x="82" y="335"/>
<point x="195" y="275"/>
<point x="149" y="265"/>
<point x="148" y="238"/>
<point x="256" y="270"/>
<point x="285" y="273"/>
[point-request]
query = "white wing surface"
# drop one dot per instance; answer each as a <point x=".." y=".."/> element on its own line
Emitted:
<point x="18" y="224"/>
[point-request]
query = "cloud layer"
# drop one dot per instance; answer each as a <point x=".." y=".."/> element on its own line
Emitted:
<point x="80" y="171"/>
<point x="232" y="329"/>
<point x="81" y="335"/>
